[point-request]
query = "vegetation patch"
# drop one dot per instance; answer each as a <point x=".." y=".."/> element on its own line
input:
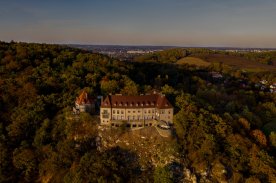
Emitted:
<point x="193" y="61"/>
<point x="270" y="127"/>
<point x="239" y="62"/>
<point x="217" y="120"/>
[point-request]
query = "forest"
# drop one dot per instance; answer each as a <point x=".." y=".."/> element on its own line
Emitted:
<point x="226" y="123"/>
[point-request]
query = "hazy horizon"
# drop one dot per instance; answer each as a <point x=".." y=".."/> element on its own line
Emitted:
<point x="190" y="23"/>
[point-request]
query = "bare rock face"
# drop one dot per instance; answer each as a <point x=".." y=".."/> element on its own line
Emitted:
<point x="151" y="148"/>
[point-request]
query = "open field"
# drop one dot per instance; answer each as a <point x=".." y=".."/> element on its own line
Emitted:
<point x="193" y="61"/>
<point x="239" y="62"/>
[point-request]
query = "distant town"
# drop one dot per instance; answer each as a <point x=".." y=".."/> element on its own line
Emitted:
<point x="128" y="52"/>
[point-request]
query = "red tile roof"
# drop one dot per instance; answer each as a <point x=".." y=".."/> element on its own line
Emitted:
<point x="83" y="99"/>
<point x="140" y="101"/>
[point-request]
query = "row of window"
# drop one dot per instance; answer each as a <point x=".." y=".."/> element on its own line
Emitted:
<point x="137" y="104"/>
<point x="138" y="111"/>
<point x="132" y="117"/>
<point x="134" y="111"/>
<point x="130" y="125"/>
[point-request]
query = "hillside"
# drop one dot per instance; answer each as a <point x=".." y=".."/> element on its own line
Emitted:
<point x="219" y="123"/>
<point x="239" y="62"/>
<point x="254" y="62"/>
<point x="193" y="61"/>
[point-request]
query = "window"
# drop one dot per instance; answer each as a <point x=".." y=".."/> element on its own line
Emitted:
<point x="122" y="112"/>
<point x="134" y="111"/>
<point x="128" y="111"/>
<point x="113" y="111"/>
<point x="118" y="112"/>
<point x="138" y="111"/>
<point x="105" y="116"/>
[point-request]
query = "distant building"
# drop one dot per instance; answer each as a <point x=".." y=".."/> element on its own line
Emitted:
<point x="264" y="82"/>
<point x="135" y="111"/>
<point x="273" y="88"/>
<point x="216" y="75"/>
<point x="84" y="103"/>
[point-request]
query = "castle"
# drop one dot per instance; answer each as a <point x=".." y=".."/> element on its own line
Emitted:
<point x="135" y="111"/>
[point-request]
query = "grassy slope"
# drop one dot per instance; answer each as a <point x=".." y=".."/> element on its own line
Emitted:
<point x="193" y="61"/>
<point x="239" y="62"/>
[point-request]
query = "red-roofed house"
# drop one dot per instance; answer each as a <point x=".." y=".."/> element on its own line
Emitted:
<point x="84" y="103"/>
<point x="135" y="111"/>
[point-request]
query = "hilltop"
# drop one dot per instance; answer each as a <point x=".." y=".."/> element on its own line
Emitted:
<point x="220" y="122"/>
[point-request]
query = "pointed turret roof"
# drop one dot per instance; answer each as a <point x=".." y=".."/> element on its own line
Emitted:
<point x="83" y="98"/>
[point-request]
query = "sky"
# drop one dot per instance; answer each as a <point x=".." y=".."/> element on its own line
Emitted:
<point x="196" y="23"/>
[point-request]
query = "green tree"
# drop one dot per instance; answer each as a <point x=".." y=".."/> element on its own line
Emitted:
<point x="109" y="86"/>
<point x="272" y="139"/>
<point x="163" y="175"/>
<point x="130" y="87"/>
<point x="24" y="159"/>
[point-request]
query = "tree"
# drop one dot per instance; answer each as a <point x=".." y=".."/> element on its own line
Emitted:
<point x="109" y="86"/>
<point x="162" y="175"/>
<point x="259" y="136"/>
<point x="167" y="90"/>
<point x="272" y="139"/>
<point x="245" y="124"/>
<point x="130" y="87"/>
<point x="25" y="160"/>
